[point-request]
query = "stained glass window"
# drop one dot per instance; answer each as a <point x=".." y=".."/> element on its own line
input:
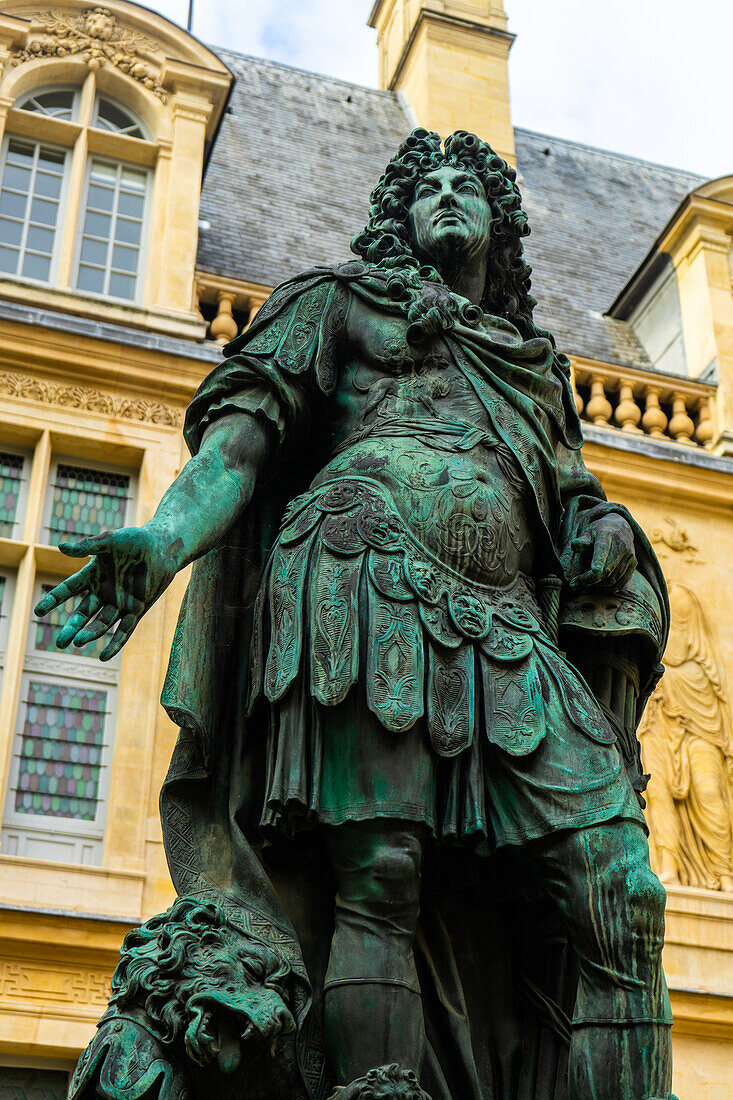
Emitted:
<point x="62" y="743"/>
<point x="85" y="502"/>
<point x="112" y="234"/>
<point x="21" y="1083"/>
<point x="29" y="208"/>
<point x="11" y="479"/>
<point x="47" y="630"/>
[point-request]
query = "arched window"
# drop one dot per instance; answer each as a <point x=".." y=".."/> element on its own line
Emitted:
<point x="109" y="115"/>
<point x="54" y="103"/>
<point x="73" y="212"/>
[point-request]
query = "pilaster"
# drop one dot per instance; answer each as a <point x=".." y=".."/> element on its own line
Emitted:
<point x="699" y="245"/>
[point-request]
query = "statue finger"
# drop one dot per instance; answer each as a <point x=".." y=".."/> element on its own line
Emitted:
<point x="95" y="544"/>
<point x="120" y="636"/>
<point x="108" y="615"/>
<point x="83" y="612"/>
<point x="75" y="585"/>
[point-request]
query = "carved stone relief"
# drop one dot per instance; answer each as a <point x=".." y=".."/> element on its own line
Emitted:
<point x="90" y="399"/>
<point x="688" y="748"/>
<point x="98" y="38"/>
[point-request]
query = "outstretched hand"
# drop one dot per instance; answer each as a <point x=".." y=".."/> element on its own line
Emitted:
<point x="609" y="544"/>
<point x="130" y="569"/>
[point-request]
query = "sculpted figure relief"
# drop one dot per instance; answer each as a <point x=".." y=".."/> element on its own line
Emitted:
<point x="687" y="745"/>
<point x="408" y="672"/>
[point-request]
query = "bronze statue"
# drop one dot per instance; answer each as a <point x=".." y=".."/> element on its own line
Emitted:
<point x="414" y="650"/>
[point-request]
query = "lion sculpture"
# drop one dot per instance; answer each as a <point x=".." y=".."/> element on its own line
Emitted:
<point x="198" y="1008"/>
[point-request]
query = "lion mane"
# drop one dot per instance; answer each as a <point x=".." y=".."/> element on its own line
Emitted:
<point x="166" y="961"/>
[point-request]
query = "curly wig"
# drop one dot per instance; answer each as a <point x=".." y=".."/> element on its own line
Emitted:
<point x="385" y="240"/>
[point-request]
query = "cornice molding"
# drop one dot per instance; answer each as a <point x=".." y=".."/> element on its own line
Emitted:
<point x="452" y="21"/>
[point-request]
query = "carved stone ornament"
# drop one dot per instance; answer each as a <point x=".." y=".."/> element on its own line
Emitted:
<point x="99" y="39"/>
<point x="89" y="399"/>
<point x="677" y="539"/>
<point x="687" y="744"/>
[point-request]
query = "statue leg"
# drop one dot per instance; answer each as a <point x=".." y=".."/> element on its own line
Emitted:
<point x="372" y="1004"/>
<point x="614" y="907"/>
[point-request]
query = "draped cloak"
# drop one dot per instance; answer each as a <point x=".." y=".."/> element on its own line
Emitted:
<point x="496" y="1030"/>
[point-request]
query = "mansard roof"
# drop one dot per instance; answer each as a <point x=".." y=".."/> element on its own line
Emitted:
<point x="289" y="178"/>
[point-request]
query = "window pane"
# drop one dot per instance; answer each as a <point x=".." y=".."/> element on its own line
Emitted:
<point x="86" y="502"/>
<point x="124" y="258"/>
<point x="47" y="185"/>
<point x="133" y="180"/>
<point x="61" y="751"/>
<point x="9" y="260"/>
<point x="94" y="252"/>
<point x="47" y="631"/>
<point x="11" y="477"/>
<point x="56" y="104"/>
<point x="91" y="279"/>
<point x="98" y="225"/>
<point x="122" y="286"/>
<point x="52" y="160"/>
<point x="36" y="267"/>
<point x="132" y="205"/>
<point x="40" y="240"/>
<point x="21" y="152"/>
<point x="11" y="232"/>
<point x="104" y="173"/>
<point x="101" y="198"/>
<point x="13" y="205"/>
<point x="127" y="231"/>
<point x="44" y="211"/>
<point x="19" y="179"/>
<point x="111" y="117"/>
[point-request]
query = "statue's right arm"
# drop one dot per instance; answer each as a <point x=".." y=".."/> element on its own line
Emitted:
<point x="132" y="567"/>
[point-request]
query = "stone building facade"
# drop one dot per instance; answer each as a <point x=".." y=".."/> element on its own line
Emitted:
<point x="121" y="276"/>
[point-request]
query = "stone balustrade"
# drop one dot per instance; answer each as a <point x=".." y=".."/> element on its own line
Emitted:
<point x="227" y="306"/>
<point x="640" y="402"/>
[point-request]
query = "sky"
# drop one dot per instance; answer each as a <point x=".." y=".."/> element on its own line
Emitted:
<point x="649" y="78"/>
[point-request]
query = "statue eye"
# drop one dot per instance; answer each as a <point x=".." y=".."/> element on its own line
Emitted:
<point x="468" y="188"/>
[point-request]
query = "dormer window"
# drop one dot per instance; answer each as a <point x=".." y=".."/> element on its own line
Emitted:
<point x="73" y="205"/>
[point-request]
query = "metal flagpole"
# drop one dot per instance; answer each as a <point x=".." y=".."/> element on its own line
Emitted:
<point x="189" y="24"/>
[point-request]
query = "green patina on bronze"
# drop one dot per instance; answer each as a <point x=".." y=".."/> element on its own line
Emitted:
<point x="403" y="814"/>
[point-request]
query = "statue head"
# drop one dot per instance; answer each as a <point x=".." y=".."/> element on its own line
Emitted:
<point x="462" y="199"/>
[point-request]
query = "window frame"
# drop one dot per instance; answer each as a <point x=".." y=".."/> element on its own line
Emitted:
<point x="88" y="464"/>
<point x="76" y="671"/>
<point x="75" y="89"/>
<point x="119" y="165"/>
<point x="22" y="506"/>
<point x="94" y="124"/>
<point x="62" y="207"/>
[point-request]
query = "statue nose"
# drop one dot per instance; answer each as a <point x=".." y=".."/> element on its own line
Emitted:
<point x="447" y="197"/>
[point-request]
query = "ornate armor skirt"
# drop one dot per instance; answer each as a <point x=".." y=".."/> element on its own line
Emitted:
<point x="399" y="689"/>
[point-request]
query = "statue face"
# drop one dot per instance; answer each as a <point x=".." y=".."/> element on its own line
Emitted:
<point x="450" y="216"/>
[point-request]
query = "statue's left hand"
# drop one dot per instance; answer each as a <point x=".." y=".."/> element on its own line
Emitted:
<point x="610" y="543"/>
